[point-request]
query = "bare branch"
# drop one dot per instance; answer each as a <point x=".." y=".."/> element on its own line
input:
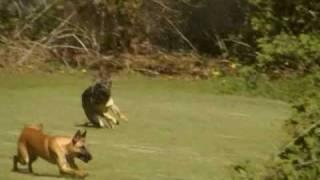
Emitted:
<point x="36" y="17"/>
<point x="181" y="34"/>
<point x="26" y="56"/>
<point x="64" y="46"/>
<point x="160" y="3"/>
<point x="303" y="134"/>
<point x="80" y="42"/>
<point x="55" y="31"/>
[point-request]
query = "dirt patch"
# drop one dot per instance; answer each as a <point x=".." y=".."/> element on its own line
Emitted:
<point x="26" y="55"/>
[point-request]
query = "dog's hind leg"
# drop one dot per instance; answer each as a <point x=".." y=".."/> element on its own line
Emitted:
<point x="93" y="117"/>
<point x="30" y="167"/>
<point x="15" y="163"/>
<point x="32" y="159"/>
<point x="97" y="121"/>
<point x="22" y="157"/>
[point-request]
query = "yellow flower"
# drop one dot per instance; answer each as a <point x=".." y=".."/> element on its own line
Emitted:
<point x="233" y="65"/>
<point x="216" y="73"/>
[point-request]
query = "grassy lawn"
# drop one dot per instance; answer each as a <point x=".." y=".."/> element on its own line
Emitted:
<point x="177" y="130"/>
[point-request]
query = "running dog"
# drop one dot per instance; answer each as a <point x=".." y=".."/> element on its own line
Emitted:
<point x="97" y="104"/>
<point x="33" y="143"/>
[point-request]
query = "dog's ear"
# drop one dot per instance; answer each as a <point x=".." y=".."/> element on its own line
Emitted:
<point x="76" y="137"/>
<point x="84" y="134"/>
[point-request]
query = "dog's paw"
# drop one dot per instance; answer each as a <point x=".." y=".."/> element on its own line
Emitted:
<point x="110" y="127"/>
<point x="82" y="174"/>
<point x="124" y="117"/>
<point x="85" y="124"/>
<point x="14" y="169"/>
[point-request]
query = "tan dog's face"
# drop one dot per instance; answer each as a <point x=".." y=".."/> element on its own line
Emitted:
<point x="79" y="147"/>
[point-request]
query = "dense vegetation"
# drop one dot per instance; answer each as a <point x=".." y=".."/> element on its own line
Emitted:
<point x="253" y="39"/>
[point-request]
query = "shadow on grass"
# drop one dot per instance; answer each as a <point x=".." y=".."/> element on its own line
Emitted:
<point x="88" y="125"/>
<point x="25" y="171"/>
<point x="45" y="175"/>
<point x="48" y="175"/>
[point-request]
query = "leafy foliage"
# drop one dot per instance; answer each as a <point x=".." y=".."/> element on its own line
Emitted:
<point x="299" y="54"/>
<point x="270" y="17"/>
<point x="283" y="35"/>
<point x="299" y="158"/>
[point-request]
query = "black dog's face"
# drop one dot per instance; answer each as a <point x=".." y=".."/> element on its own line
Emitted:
<point x="102" y="91"/>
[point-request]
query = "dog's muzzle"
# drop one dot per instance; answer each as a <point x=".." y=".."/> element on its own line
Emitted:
<point x="85" y="157"/>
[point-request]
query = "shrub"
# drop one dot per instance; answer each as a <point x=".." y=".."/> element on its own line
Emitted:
<point x="299" y="158"/>
<point x="289" y="53"/>
<point x="270" y="17"/>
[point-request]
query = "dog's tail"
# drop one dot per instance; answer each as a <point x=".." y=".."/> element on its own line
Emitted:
<point x="38" y="126"/>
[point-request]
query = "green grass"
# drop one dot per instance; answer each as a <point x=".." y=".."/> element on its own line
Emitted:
<point x="177" y="130"/>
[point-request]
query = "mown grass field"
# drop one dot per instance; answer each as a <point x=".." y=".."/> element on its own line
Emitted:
<point x="177" y="130"/>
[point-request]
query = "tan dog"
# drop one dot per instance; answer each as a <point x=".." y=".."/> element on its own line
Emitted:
<point x="58" y="150"/>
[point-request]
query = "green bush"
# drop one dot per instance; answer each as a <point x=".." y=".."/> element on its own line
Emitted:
<point x="270" y="17"/>
<point x="299" y="158"/>
<point x="299" y="54"/>
<point x="281" y="35"/>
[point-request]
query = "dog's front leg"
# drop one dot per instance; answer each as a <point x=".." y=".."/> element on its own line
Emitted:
<point x="100" y="121"/>
<point x="110" y="119"/>
<point x="65" y="168"/>
<point x="115" y="109"/>
<point x="73" y="163"/>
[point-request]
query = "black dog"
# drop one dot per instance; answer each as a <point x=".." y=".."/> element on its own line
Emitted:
<point x="96" y="103"/>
